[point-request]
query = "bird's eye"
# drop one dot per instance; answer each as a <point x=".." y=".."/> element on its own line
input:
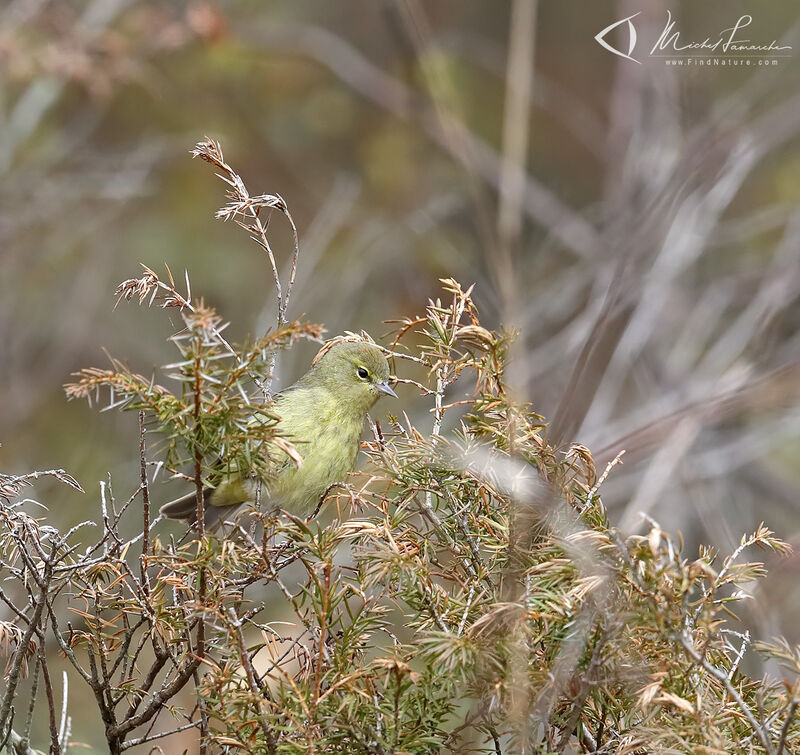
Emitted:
<point x="362" y="373"/>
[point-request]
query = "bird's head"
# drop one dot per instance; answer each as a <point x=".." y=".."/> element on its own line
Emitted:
<point x="356" y="371"/>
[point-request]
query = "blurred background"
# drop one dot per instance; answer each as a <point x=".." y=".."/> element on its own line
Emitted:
<point x="638" y="221"/>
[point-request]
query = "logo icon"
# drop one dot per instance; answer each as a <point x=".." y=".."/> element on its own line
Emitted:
<point x="631" y="38"/>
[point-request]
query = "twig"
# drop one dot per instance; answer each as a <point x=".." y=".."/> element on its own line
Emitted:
<point x="12" y="677"/>
<point x="732" y="691"/>
<point x="252" y="681"/>
<point x="785" y="728"/>
<point x="29" y="718"/>
<point x="55" y="747"/>
<point x="145" y="508"/>
<point x="158" y="735"/>
<point x="64" y="727"/>
<point x="199" y="503"/>
<point x="323" y="626"/>
<point x="242" y="204"/>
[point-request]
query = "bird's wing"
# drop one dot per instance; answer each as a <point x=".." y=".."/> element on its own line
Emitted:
<point x="219" y="502"/>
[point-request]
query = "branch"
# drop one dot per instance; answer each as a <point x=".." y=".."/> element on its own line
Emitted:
<point x="722" y="678"/>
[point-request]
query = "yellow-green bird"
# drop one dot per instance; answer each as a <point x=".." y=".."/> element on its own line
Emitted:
<point x="323" y="414"/>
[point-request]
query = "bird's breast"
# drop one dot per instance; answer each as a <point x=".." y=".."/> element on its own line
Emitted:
<point x="327" y="436"/>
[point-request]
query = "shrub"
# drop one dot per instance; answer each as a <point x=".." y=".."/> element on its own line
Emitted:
<point x="465" y="592"/>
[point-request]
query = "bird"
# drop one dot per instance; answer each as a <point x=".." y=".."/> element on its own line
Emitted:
<point x="323" y="415"/>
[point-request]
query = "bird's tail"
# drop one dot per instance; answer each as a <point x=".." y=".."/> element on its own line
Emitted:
<point x="185" y="509"/>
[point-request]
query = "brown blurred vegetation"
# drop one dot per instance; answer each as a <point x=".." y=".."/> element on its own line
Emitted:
<point x="653" y="268"/>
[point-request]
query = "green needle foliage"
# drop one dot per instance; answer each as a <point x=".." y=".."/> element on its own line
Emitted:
<point x="464" y="593"/>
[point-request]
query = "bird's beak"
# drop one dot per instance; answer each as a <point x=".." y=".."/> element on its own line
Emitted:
<point x="384" y="388"/>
